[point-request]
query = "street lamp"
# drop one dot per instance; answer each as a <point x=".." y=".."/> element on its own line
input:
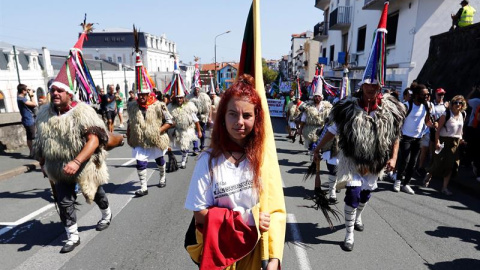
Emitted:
<point x="216" y="53"/>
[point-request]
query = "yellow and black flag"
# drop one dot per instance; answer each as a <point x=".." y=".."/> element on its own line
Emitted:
<point x="271" y="199"/>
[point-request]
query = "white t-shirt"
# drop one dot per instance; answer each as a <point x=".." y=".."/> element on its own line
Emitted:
<point x="231" y="187"/>
<point x="439" y="110"/>
<point x="415" y="121"/>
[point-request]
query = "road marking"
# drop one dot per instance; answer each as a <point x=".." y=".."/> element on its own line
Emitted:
<point x="298" y="245"/>
<point x="11" y="225"/>
<point x="118" y="199"/>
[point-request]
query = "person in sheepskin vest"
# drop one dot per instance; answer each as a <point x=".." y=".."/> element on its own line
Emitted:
<point x="148" y="123"/>
<point x="185" y="121"/>
<point x="203" y="103"/>
<point x="71" y="141"/>
<point x="368" y="129"/>
<point x="215" y="103"/>
<point x="70" y="148"/>
<point x="312" y="121"/>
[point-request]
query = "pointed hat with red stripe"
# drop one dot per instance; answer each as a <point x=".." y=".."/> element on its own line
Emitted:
<point x="143" y="82"/>
<point x="74" y="76"/>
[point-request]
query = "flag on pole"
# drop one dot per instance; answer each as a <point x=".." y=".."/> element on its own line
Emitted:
<point x="196" y="76"/>
<point x="375" y="69"/>
<point x="345" y="91"/>
<point x="251" y="63"/>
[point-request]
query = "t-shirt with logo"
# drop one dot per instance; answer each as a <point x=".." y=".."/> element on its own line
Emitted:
<point x="230" y="187"/>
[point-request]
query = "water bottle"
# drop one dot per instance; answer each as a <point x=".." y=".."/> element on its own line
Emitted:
<point x="439" y="150"/>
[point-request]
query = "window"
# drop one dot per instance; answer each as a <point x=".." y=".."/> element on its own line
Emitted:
<point x="392" y="25"/>
<point x="119" y="59"/>
<point x="324" y="52"/>
<point x="2" y="103"/>
<point x="362" y="33"/>
<point x="332" y="52"/>
<point x="110" y="59"/>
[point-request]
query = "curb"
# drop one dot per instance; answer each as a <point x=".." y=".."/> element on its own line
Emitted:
<point x="19" y="170"/>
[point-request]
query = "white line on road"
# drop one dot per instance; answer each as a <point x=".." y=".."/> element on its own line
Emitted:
<point x="298" y="246"/>
<point x="117" y="200"/>
<point x="11" y="225"/>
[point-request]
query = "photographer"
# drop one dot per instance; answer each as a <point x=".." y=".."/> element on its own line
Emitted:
<point x="26" y="108"/>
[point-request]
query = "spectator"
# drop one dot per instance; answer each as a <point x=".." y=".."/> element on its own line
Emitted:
<point x="417" y="116"/>
<point x="472" y="131"/>
<point x="407" y="93"/>
<point x="449" y="136"/>
<point x="103" y="104"/>
<point x="464" y="16"/>
<point x="26" y="108"/>
<point x="425" y="142"/>
<point x="120" y="104"/>
<point x="111" y="107"/>
<point x="131" y="96"/>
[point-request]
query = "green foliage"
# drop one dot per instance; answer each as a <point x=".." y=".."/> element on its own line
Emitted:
<point x="269" y="75"/>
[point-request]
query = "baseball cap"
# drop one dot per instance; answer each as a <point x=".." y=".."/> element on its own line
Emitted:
<point x="440" y="91"/>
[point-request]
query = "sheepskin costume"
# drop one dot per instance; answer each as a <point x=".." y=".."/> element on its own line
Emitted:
<point x="315" y="120"/>
<point x="366" y="141"/>
<point x="214" y="108"/>
<point x="184" y="130"/>
<point x="144" y="131"/>
<point x="203" y="104"/>
<point x="61" y="138"/>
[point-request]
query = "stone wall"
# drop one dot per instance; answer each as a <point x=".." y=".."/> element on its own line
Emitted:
<point x="12" y="132"/>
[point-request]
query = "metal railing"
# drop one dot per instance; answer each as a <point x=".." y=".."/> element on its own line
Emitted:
<point x="341" y="16"/>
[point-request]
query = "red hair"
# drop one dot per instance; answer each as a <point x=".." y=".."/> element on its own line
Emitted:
<point x="241" y="89"/>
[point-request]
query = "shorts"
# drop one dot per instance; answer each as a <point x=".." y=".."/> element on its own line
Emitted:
<point x="110" y="115"/>
<point x="30" y="132"/>
<point x="425" y="141"/>
<point x="120" y="110"/>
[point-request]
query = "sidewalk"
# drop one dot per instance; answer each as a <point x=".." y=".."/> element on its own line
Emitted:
<point x="15" y="163"/>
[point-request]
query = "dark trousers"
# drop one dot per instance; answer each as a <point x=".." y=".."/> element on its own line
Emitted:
<point x="408" y="155"/>
<point x="66" y="197"/>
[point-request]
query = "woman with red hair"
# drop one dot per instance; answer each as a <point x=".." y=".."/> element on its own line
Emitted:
<point x="226" y="185"/>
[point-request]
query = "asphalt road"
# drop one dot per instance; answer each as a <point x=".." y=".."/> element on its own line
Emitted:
<point x="423" y="231"/>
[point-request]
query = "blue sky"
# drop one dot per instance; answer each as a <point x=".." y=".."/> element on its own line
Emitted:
<point x="192" y="24"/>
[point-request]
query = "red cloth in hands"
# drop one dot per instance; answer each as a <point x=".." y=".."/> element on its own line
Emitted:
<point x="226" y="238"/>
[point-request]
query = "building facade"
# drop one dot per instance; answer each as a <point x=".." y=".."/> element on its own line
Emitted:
<point x="349" y="25"/>
<point x="116" y="45"/>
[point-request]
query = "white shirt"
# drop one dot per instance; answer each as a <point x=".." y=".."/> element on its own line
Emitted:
<point x="454" y="127"/>
<point x="231" y="187"/>
<point x="414" y="122"/>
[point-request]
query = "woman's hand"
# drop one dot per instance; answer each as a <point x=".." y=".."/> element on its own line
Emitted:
<point x="438" y="146"/>
<point x="264" y="220"/>
<point x="390" y="166"/>
<point x="273" y="264"/>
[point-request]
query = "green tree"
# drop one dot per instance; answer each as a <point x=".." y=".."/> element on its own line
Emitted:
<point x="269" y="75"/>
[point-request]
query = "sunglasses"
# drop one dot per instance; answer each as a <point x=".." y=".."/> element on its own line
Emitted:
<point x="458" y="103"/>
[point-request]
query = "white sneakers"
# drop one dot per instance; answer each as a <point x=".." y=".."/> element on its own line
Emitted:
<point x="396" y="185"/>
<point x="405" y="188"/>
<point x="408" y="189"/>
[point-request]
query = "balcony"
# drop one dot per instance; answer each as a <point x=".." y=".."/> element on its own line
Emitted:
<point x="341" y="18"/>
<point x="320" y="32"/>
<point x="322" y="4"/>
<point x="375" y="4"/>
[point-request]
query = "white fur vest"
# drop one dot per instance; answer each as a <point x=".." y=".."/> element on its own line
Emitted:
<point x="315" y="120"/>
<point x="145" y="131"/>
<point x="203" y="104"/>
<point x="61" y="138"/>
<point x="184" y="131"/>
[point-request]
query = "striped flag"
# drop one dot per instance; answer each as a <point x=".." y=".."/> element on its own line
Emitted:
<point x="251" y="63"/>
